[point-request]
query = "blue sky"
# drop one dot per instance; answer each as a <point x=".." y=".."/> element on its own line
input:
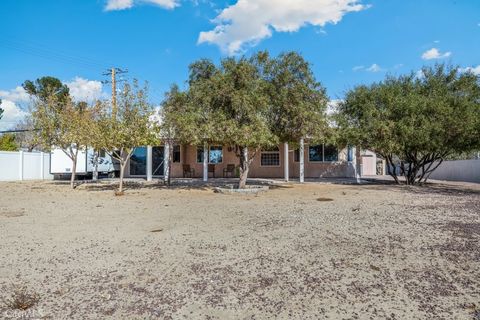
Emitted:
<point x="348" y="42"/>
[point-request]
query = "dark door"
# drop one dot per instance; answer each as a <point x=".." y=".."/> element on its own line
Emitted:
<point x="157" y="161"/>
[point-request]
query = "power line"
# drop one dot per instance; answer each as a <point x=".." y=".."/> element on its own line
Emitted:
<point x="19" y="130"/>
<point x="113" y="73"/>
<point x="56" y="55"/>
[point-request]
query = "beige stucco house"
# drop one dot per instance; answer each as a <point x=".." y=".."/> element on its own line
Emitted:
<point x="281" y="162"/>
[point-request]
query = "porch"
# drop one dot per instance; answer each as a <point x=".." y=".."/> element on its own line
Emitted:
<point x="214" y="161"/>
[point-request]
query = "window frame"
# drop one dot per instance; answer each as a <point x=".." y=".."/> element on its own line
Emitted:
<point x="323" y="154"/>
<point x="271" y="152"/>
<point x="200" y="149"/>
<point x="179" y="154"/>
<point x="295" y="152"/>
<point x="130" y="163"/>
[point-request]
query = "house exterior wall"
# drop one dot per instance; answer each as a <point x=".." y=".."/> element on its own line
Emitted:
<point x="188" y="155"/>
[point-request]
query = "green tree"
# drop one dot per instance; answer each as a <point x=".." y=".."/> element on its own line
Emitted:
<point x="130" y="127"/>
<point x="7" y="142"/>
<point x="46" y="87"/>
<point x="298" y="101"/>
<point x="171" y="118"/>
<point x="63" y="124"/>
<point x="415" y="122"/>
<point x="26" y="136"/>
<point x="225" y="104"/>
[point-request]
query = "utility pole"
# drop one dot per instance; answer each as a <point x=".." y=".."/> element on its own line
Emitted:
<point x="113" y="72"/>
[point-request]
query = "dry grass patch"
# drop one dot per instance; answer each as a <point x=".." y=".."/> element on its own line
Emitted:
<point x="21" y="299"/>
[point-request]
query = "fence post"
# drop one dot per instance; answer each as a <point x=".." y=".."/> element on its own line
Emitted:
<point x="20" y="165"/>
<point x="42" y="165"/>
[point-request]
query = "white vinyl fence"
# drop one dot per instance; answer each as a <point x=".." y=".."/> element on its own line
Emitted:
<point x="16" y="166"/>
<point x="458" y="170"/>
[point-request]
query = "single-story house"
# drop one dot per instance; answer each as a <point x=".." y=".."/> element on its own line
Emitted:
<point x="320" y="160"/>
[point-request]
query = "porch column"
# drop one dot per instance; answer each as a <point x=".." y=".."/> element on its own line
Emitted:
<point x="166" y="162"/>
<point x="149" y="163"/>
<point x="285" y="161"/>
<point x="205" y="162"/>
<point x="302" y="160"/>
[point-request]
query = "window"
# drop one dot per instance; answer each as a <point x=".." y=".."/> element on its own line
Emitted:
<point x="330" y="153"/>
<point x="270" y="158"/>
<point x="350" y="154"/>
<point x="296" y="155"/>
<point x="321" y="153"/>
<point x="215" y="154"/>
<point x="138" y="162"/>
<point x="199" y="154"/>
<point x="176" y="154"/>
<point x="315" y="153"/>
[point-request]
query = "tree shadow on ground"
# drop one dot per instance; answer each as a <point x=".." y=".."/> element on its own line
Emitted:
<point x="177" y="184"/>
<point x="426" y="188"/>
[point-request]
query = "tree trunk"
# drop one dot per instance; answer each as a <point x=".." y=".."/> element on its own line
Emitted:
<point x="166" y="163"/>
<point x="392" y="170"/>
<point x="122" y="172"/>
<point x="96" y="155"/>
<point x="244" y="167"/>
<point x="74" y="168"/>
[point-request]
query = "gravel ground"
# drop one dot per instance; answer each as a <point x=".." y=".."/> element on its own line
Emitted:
<point x="313" y="251"/>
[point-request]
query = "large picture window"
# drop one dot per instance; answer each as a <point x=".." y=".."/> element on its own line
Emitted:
<point x="322" y="153"/>
<point x="138" y="162"/>
<point x="215" y="154"/>
<point x="330" y="153"/>
<point x="270" y="158"/>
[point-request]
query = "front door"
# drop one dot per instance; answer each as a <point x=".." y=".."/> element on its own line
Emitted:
<point x="157" y="161"/>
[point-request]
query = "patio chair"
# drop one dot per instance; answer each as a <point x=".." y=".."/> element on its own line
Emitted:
<point x="229" y="170"/>
<point x="211" y="169"/>
<point x="188" y="171"/>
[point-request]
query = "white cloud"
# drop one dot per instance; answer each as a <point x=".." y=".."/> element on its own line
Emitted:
<point x="419" y="74"/>
<point x="374" y="68"/>
<point x="358" y="68"/>
<point x="434" y="53"/>
<point x="85" y="90"/>
<point x="127" y="4"/>
<point x="12" y="114"/>
<point x="474" y="70"/>
<point x="15" y="95"/>
<point x="333" y="105"/>
<point x="247" y="22"/>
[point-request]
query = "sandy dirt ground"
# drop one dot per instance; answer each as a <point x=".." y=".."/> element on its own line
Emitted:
<point x="313" y="251"/>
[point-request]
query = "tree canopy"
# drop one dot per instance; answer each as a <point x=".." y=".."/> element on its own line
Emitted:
<point x="7" y="142"/>
<point x="298" y="102"/>
<point x="63" y="124"/>
<point x="413" y="121"/>
<point x="248" y="104"/>
<point x="119" y="135"/>
<point x="46" y="87"/>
